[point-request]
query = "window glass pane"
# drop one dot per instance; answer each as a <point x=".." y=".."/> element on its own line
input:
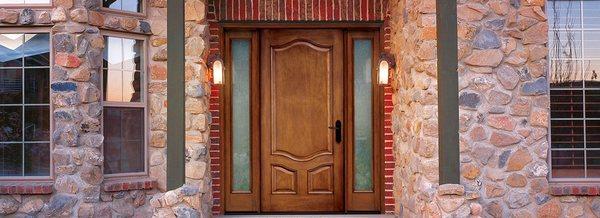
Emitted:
<point x="592" y="73"/>
<point x="574" y="95"/>
<point x="564" y="14"/>
<point x="590" y="14"/>
<point x="363" y="116"/>
<point x="37" y="82"/>
<point x="131" y="54"/>
<point x="591" y="44"/>
<point x="132" y="5"/>
<point x="126" y="5"/>
<point x="3" y="2"/>
<point x="567" y="164"/>
<point x="132" y="86"/>
<point x="124" y="131"/>
<point x="37" y="159"/>
<point x="592" y="104"/>
<point x="113" y="85"/>
<point x="113" y="53"/>
<point x="11" y="124"/>
<point x="114" y="4"/>
<point x="565" y="44"/>
<point x="37" y="49"/>
<point x="240" y="50"/>
<point x="566" y="74"/>
<point x="11" y="90"/>
<point x="37" y="123"/>
<point x="11" y="159"/>
<point x="19" y="121"/>
<point x="11" y="51"/>
<point x="566" y="103"/>
<point x="593" y="164"/>
<point x="123" y="81"/>
<point x="37" y="1"/>
<point x="592" y="133"/>
<point x="567" y="133"/>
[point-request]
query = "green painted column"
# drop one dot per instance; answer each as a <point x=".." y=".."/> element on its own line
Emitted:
<point x="447" y="66"/>
<point x="175" y="94"/>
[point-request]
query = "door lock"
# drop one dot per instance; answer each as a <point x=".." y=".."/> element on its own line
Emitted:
<point x="338" y="131"/>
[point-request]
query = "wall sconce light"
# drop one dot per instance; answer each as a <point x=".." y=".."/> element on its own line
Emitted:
<point x="387" y="62"/>
<point x="216" y="64"/>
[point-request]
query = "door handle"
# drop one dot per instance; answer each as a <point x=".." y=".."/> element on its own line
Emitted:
<point x="338" y="131"/>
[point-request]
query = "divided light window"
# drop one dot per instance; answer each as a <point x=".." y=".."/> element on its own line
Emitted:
<point x="124" y="101"/>
<point x="24" y="105"/>
<point x="123" y="5"/>
<point x="574" y="44"/>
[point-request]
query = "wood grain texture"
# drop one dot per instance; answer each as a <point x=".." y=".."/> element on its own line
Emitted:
<point x="302" y="96"/>
<point x="241" y="201"/>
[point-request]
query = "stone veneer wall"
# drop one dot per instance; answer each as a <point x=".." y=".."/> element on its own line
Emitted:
<point x="504" y="114"/>
<point x="79" y="187"/>
<point x="414" y="118"/>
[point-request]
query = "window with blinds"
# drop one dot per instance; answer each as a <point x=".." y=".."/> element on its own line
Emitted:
<point x="574" y="49"/>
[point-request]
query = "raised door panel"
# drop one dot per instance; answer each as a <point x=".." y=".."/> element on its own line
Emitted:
<point x="320" y="180"/>
<point x="301" y="93"/>
<point x="302" y="97"/>
<point x="283" y="180"/>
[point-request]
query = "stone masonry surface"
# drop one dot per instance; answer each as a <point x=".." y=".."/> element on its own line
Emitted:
<point x="414" y="118"/>
<point x="503" y="97"/>
<point x="79" y="188"/>
<point x="294" y="11"/>
<point x="504" y="115"/>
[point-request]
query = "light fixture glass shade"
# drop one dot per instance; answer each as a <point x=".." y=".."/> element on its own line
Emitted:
<point x="384" y="72"/>
<point x="217" y="70"/>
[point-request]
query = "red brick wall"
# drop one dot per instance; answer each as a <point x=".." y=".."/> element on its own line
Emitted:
<point x="300" y="10"/>
<point x="296" y="10"/>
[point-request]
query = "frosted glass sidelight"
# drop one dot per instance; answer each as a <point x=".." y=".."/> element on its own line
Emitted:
<point x="363" y="115"/>
<point x="240" y="99"/>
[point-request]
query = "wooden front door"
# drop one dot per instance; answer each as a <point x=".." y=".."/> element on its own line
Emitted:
<point x="301" y="120"/>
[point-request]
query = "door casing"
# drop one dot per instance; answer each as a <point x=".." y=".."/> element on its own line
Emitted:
<point x="250" y="202"/>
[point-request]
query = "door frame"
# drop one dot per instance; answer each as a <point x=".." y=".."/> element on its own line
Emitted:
<point x="249" y="202"/>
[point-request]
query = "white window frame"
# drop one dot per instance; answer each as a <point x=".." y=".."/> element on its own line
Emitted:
<point x="143" y="104"/>
<point x="22" y="5"/>
<point x="580" y="61"/>
<point x="20" y="30"/>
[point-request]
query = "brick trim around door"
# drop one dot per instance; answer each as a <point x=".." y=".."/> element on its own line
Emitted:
<point x="295" y="11"/>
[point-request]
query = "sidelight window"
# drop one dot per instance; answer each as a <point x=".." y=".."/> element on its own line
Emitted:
<point x="240" y="99"/>
<point x="363" y="115"/>
<point x="124" y="117"/>
<point x="24" y="105"/>
<point x="574" y="89"/>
